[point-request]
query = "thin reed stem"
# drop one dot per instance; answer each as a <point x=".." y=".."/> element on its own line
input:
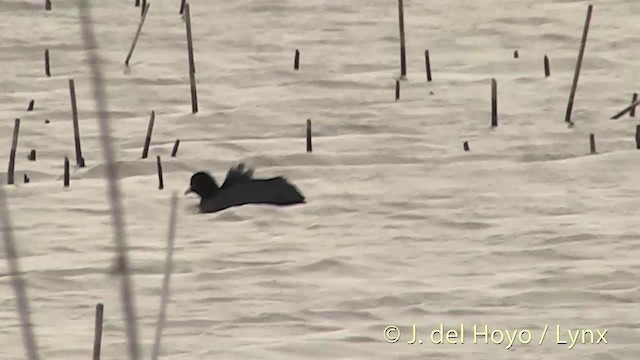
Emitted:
<point x="17" y="282"/>
<point x="168" y="268"/>
<point x="114" y="195"/>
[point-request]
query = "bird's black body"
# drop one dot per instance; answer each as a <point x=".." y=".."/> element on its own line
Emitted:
<point x="239" y="188"/>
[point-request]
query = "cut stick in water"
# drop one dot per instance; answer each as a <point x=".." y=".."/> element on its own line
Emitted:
<point x="576" y="74"/>
<point x="76" y="127"/>
<point x="147" y="139"/>
<point x="97" y="332"/>
<point x="47" y="69"/>
<point x="187" y="20"/>
<point x="66" y="172"/>
<point x="626" y="110"/>
<point x="192" y="67"/>
<point x="494" y="103"/>
<point x="174" y="152"/>
<point x="547" y="70"/>
<point x="135" y="38"/>
<point x="403" y="54"/>
<point x="309" y="144"/>
<point x="427" y="64"/>
<point x="12" y="154"/>
<point x="160" y="178"/>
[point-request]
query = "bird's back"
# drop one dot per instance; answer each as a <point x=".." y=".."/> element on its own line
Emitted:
<point x="275" y="191"/>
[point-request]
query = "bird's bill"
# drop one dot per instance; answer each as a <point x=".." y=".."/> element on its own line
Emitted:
<point x="189" y="191"/>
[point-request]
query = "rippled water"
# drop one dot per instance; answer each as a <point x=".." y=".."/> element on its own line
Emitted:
<point x="401" y="227"/>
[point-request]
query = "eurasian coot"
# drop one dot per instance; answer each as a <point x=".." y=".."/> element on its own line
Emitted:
<point x="239" y="188"/>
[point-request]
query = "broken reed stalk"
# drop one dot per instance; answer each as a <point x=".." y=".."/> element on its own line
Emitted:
<point x="494" y="103"/>
<point x="147" y="140"/>
<point x="160" y="179"/>
<point x="516" y="55"/>
<point x="17" y="282"/>
<point x="576" y="74"/>
<point x="638" y="137"/>
<point x="12" y="154"/>
<point x="145" y="9"/>
<point x="547" y="71"/>
<point x="31" y="104"/>
<point x="296" y="60"/>
<point x="97" y="333"/>
<point x="309" y="143"/>
<point x="137" y="3"/>
<point x="403" y="55"/>
<point x="66" y="172"/>
<point x="114" y="195"/>
<point x="174" y="152"/>
<point x="47" y="69"/>
<point x="76" y="127"/>
<point x="592" y="143"/>
<point x="634" y="98"/>
<point x="26" y="179"/>
<point x="168" y="269"/>
<point x="626" y="110"/>
<point x="427" y="64"/>
<point x="397" y="90"/>
<point x="194" y="93"/>
<point x="187" y="20"/>
<point x="47" y="5"/>
<point x="182" y="2"/>
<point x="192" y="67"/>
<point x="465" y="146"/>
<point x="32" y="155"/>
